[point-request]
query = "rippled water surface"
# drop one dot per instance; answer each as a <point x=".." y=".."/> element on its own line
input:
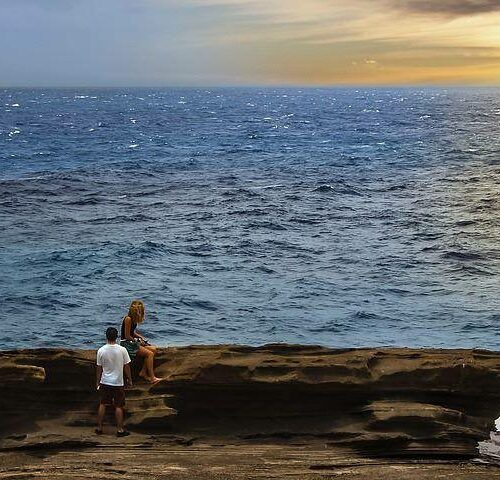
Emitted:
<point x="334" y="216"/>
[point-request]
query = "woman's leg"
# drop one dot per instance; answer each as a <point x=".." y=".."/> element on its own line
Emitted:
<point x="144" y="370"/>
<point x="147" y="367"/>
<point x="151" y="348"/>
<point x="147" y="370"/>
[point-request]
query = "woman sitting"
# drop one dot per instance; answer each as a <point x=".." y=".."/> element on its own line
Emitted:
<point x="135" y="343"/>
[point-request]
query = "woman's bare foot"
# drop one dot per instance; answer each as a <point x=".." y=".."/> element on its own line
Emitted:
<point x="150" y="379"/>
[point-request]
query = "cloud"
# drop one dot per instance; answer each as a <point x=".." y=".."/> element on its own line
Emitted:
<point x="454" y="8"/>
<point x="305" y="9"/>
<point x="350" y="41"/>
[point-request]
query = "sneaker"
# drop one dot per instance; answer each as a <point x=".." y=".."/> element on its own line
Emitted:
<point x="123" y="433"/>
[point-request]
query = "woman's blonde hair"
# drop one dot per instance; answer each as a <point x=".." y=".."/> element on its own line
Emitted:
<point x="137" y="311"/>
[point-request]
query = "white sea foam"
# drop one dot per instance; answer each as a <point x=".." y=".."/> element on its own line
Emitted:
<point x="277" y="185"/>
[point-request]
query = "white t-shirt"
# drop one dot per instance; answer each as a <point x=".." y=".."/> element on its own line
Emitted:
<point x="112" y="359"/>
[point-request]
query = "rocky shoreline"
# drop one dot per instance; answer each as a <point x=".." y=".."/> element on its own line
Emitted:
<point x="407" y="404"/>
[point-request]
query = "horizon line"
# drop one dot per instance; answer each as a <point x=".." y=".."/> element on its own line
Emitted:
<point x="263" y="85"/>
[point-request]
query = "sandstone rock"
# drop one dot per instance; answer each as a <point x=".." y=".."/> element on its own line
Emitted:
<point x="379" y="401"/>
<point x="20" y="376"/>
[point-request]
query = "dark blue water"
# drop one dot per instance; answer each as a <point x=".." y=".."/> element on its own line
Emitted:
<point x="335" y="216"/>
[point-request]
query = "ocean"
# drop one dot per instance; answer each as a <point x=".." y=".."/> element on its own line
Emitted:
<point x="341" y="217"/>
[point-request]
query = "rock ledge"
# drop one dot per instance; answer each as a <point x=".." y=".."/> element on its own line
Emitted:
<point x="379" y="402"/>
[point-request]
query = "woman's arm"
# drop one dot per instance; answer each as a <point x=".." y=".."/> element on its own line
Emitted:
<point x="128" y="327"/>
<point x="138" y="335"/>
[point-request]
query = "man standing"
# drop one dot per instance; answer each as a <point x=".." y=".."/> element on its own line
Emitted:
<point x="112" y="360"/>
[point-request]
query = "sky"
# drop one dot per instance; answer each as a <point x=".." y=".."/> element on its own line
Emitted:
<point x="249" y="42"/>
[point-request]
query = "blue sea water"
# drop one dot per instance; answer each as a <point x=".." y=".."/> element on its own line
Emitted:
<point x="343" y="217"/>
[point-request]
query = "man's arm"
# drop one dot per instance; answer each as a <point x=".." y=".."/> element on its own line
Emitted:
<point x="128" y="374"/>
<point x="98" y="375"/>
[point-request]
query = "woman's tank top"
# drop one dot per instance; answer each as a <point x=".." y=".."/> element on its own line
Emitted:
<point x="133" y="326"/>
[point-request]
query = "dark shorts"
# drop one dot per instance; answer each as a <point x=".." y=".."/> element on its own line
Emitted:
<point x="131" y="347"/>
<point x="112" y="395"/>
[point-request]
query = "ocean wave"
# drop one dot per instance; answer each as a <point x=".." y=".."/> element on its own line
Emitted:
<point x="70" y="256"/>
<point x="366" y="315"/>
<point x="330" y="327"/>
<point x="249" y="211"/>
<point x="139" y="217"/>
<point x="264" y="269"/>
<point x="397" y="187"/>
<point x="147" y="249"/>
<point x="402" y="292"/>
<point x="199" y="304"/>
<point x="472" y="270"/>
<point x="266" y="225"/>
<point x="338" y="188"/>
<point x="239" y="192"/>
<point x="270" y="187"/>
<point x="306" y="221"/>
<point x="461" y="255"/>
<point x="42" y="301"/>
<point x="489" y="327"/>
<point x="285" y="245"/>
<point x="431" y="248"/>
<point x="85" y="201"/>
<point x="465" y="223"/>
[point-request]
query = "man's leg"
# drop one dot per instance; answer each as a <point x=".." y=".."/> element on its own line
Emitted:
<point x="119" y="418"/>
<point x="119" y="401"/>
<point x="100" y="416"/>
